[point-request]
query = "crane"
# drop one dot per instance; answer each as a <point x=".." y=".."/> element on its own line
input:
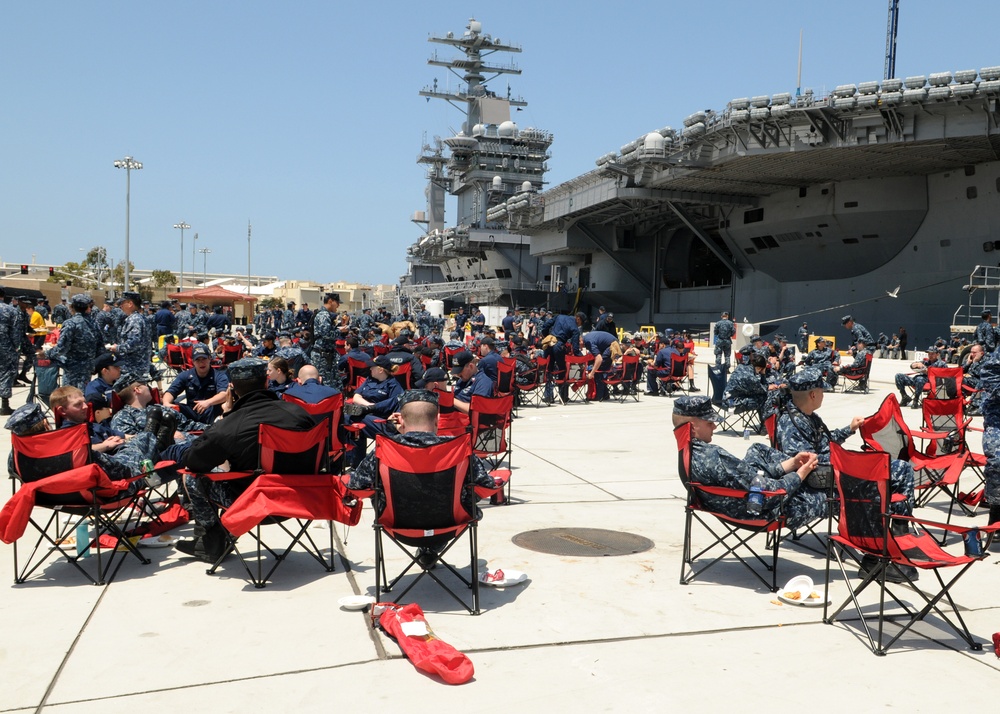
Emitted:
<point x="890" y="40"/>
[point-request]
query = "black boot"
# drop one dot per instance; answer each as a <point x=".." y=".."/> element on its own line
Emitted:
<point x="209" y="547"/>
<point x="5" y="410"/>
<point x="165" y="432"/>
<point x="904" y="398"/>
<point x="154" y="418"/>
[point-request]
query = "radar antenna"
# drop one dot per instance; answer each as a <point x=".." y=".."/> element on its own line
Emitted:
<point x="890" y="40"/>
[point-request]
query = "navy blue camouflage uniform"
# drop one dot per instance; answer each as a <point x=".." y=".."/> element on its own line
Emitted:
<point x="77" y="350"/>
<point x="724" y="332"/>
<point x="325" y="357"/>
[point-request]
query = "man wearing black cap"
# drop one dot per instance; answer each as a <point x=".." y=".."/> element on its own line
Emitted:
<point x="135" y="346"/>
<point x="79" y="344"/>
<point x="204" y="388"/>
<point x="324" y="354"/>
<point x="232" y="440"/>
<point x="470" y="381"/>
<point x="858" y="332"/>
<point x="400" y="353"/>
<point x="714" y="466"/>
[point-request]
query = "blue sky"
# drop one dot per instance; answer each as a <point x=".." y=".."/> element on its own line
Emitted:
<point x="304" y="117"/>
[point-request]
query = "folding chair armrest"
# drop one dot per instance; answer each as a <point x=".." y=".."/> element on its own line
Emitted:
<point x="219" y="475"/>
<point x="947" y="526"/>
<point x="929" y="434"/>
<point x="501" y="477"/>
<point x="731" y="492"/>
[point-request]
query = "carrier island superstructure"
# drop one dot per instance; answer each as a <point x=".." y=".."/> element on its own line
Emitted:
<point x="490" y="165"/>
<point x="777" y="208"/>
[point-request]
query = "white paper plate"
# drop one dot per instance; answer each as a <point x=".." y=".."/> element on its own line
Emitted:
<point x="804" y="585"/>
<point x="158" y="541"/>
<point x="510" y="577"/>
<point x="356" y="602"/>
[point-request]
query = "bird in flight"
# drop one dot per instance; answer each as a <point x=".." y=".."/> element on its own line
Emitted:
<point x="893" y="293"/>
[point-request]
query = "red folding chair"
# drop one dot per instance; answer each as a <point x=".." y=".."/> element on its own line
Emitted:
<point x="54" y="470"/>
<point x="231" y="353"/>
<point x="403" y="374"/>
<point x="451" y="422"/>
<point x="178" y="357"/>
<point x="532" y="386"/>
<point x="576" y="377"/>
<point x="733" y="536"/>
<point x="887" y="431"/>
<point x="492" y="431"/>
<point x="449" y="353"/>
<point x="624" y="380"/>
<point x="857" y="381"/>
<point x="947" y="417"/>
<point x="291" y="484"/>
<point x="357" y="372"/>
<point x="332" y="410"/>
<point x="421" y="488"/>
<point x="865" y="526"/>
<point x="672" y="379"/>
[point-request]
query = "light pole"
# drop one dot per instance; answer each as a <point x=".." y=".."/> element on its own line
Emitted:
<point x="183" y="226"/>
<point x="194" y="250"/>
<point x="204" y="274"/>
<point x="248" y="272"/>
<point x="128" y="163"/>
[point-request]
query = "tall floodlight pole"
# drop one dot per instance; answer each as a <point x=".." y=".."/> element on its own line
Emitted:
<point x="249" y="228"/>
<point x="183" y="226"/>
<point x="204" y="272"/>
<point x="194" y="254"/>
<point x="128" y="163"/>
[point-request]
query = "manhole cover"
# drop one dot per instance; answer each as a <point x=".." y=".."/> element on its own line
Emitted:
<point x="582" y="542"/>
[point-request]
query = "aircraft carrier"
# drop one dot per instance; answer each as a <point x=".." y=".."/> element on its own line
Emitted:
<point x="777" y="208"/>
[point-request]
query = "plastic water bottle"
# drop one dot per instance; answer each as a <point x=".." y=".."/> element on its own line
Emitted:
<point x="83" y="539"/>
<point x="746" y="435"/>
<point x="755" y="498"/>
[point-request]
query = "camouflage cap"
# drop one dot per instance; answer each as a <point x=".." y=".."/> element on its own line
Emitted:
<point x="24" y="417"/>
<point x="127" y="380"/>
<point x="933" y="348"/>
<point x="418" y="395"/>
<point x="809" y="378"/>
<point x="845" y="319"/>
<point x="247" y="369"/>
<point x="698" y="407"/>
<point x="82" y="299"/>
<point x="133" y="297"/>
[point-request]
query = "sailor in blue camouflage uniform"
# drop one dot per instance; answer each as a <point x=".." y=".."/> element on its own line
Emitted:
<point x="124" y="463"/>
<point x="858" y="333"/>
<point x="822" y="358"/>
<point x="365" y="321"/>
<point x="132" y="417"/>
<point x="785" y="355"/>
<point x="714" y="466"/>
<point x="918" y="379"/>
<point x="989" y="383"/>
<point x="724" y="332"/>
<point x="858" y="365"/>
<point x="10" y="343"/>
<point x="288" y="316"/>
<point x="182" y="320"/>
<point x="749" y="390"/>
<point x="416" y="423"/>
<point x="325" y="357"/>
<point x="60" y="313"/>
<point x="135" y="347"/>
<point x="800" y="428"/>
<point x="104" y="321"/>
<point x="79" y="345"/>
<point x="986" y="333"/>
<point x="108" y="370"/>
